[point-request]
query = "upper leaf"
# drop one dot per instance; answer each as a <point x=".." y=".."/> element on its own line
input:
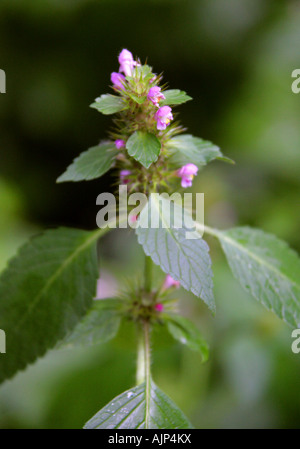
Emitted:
<point x="144" y="147"/>
<point x="266" y="267"/>
<point x="91" y="164"/>
<point x="99" y="325"/>
<point x="174" y="96"/>
<point x="109" y="104"/>
<point x="44" y="292"/>
<point x="185" y="149"/>
<point x="140" y="408"/>
<point x="185" y="259"/>
<point x="188" y="334"/>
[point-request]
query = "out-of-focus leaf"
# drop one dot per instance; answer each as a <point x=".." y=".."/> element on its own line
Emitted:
<point x="44" y="292"/>
<point x="188" y="334"/>
<point x="99" y="325"/>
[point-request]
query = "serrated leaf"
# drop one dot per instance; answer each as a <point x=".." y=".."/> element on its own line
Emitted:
<point x="144" y="147"/>
<point x="185" y="149"/>
<point x="91" y="164"/>
<point x="174" y="96"/>
<point x="188" y="334"/>
<point x="44" y="292"/>
<point x="185" y="259"/>
<point x="109" y="104"/>
<point x="100" y="324"/>
<point x="265" y="267"/>
<point x="141" y="407"/>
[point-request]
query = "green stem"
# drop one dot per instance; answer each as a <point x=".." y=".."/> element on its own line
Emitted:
<point x="147" y="372"/>
<point x="143" y="355"/>
<point x="140" y="367"/>
<point x="148" y="274"/>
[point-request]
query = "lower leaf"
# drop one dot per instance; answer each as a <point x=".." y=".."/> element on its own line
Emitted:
<point x="188" y="334"/>
<point x="141" y="407"/>
<point x="44" y="292"/>
<point x="99" y="325"/>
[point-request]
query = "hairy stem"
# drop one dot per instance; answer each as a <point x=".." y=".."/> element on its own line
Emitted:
<point x="143" y="354"/>
<point x="140" y="368"/>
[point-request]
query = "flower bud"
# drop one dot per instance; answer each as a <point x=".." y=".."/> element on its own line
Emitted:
<point x="117" y="79"/>
<point x="119" y="143"/>
<point x="170" y="282"/>
<point x="163" y="116"/>
<point x="155" y="95"/>
<point x="187" y="173"/>
<point x="126" y="62"/>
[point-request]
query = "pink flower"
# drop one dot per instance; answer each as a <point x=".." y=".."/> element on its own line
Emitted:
<point x="124" y="176"/>
<point x="187" y="173"/>
<point x="155" y="95"/>
<point x="126" y="62"/>
<point x="118" y="80"/>
<point x="170" y="282"/>
<point x="159" y="307"/>
<point x="119" y="143"/>
<point x="163" y="116"/>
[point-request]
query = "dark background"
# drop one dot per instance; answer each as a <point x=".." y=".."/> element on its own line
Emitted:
<point x="235" y="58"/>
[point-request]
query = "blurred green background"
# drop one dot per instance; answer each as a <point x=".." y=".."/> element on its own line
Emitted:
<point x="235" y="58"/>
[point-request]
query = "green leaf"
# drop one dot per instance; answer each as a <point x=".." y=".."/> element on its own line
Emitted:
<point x="144" y="147"/>
<point x="185" y="149"/>
<point x="188" y="334"/>
<point x="174" y="96"/>
<point x="44" y="292"/>
<point x="109" y="104"/>
<point x="91" y="164"/>
<point x="265" y="267"/>
<point x="185" y="259"/>
<point x="140" y="408"/>
<point x="99" y="325"/>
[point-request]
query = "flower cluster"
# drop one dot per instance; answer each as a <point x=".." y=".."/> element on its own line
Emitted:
<point x="163" y="115"/>
<point x="146" y="110"/>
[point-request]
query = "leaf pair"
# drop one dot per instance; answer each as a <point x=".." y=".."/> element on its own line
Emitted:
<point x="145" y="148"/>
<point x="96" y="161"/>
<point x="111" y="104"/>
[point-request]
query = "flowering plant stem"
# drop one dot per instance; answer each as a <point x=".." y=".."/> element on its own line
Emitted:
<point x="143" y="355"/>
<point x="148" y="274"/>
